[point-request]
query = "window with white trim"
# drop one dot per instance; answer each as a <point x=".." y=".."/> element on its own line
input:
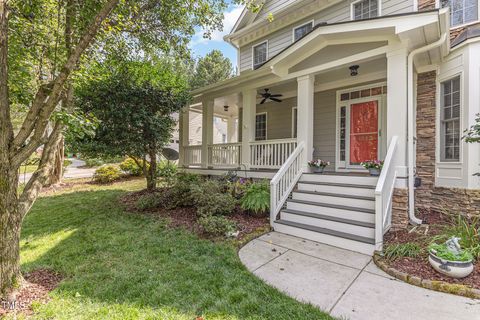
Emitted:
<point x="261" y="126"/>
<point x="461" y="11"/>
<point x="300" y="32"/>
<point x="260" y="52"/>
<point x="365" y="9"/>
<point x="450" y="120"/>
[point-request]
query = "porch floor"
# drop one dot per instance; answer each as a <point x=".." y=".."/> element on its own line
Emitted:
<point x="345" y="283"/>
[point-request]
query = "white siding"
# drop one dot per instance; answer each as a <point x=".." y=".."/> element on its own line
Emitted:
<point x="324" y="126"/>
<point x="340" y="12"/>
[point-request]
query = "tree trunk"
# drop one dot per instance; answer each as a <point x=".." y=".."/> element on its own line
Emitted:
<point x="152" y="171"/>
<point x="57" y="173"/>
<point x="10" y="225"/>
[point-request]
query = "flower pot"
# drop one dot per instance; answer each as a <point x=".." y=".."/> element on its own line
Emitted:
<point x="454" y="269"/>
<point x="374" y="172"/>
<point x="318" y="169"/>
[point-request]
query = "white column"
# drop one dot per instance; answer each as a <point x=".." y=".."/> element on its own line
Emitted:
<point x="305" y="100"/>
<point x="231" y="133"/>
<point x="397" y="106"/>
<point x="184" y="131"/>
<point x="249" y="100"/>
<point x="207" y="129"/>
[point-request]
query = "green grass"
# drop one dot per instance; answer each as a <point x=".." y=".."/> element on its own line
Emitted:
<point x="28" y="169"/>
<point x="125" y="266"/>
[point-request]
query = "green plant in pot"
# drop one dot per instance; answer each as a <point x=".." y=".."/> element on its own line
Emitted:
<point x="318" y="165"/>
<point x="374" y="167"/>
<point x="449" y="258"/>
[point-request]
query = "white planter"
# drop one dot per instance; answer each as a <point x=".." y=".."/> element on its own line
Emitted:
<point x="454" y="269"/>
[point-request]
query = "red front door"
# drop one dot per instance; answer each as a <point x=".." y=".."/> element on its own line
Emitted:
<point x="363" y="132"/>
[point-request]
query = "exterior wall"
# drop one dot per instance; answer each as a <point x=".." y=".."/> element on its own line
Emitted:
<point x="272" y="6"/>
<point x="340" y="12"/>
<point x="279" y="118"/>
<point x="324" y="126"/>
<point x="400" y="208"/>
<point x="424" y="5"/>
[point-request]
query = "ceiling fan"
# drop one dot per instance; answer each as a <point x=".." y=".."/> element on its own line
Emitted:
<point x="268" y="96"/>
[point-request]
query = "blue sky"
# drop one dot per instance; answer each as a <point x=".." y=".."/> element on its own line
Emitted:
<point x="201" y="46"/>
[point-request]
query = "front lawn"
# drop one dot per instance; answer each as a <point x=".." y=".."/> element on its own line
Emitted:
<point x="125" y="266"/>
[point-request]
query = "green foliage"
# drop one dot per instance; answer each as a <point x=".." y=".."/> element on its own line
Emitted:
<point x="167" y="171"/>
<point x="93" y="162"/>
<point x="216" y="225"/>
<point x="149" y="201"/>
<point x="66" y="163"/>
<point x="107" y="174"/>
<point x="398" y="250"/>
<point x="180" y="194"/>
<point x="472" y="135"/>
<point x="256" y="198"/>
<point x="210" y="199"/>
<point x="130" y="166"/>
<point x="468" y="230"/>
<point x="441" y="251"/>
<point x="212" y="68"/>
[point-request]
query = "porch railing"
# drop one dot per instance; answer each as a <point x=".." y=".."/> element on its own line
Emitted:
<point x="384" y="195"/>
<point x="285" y="180"/>
<point x="193" y="155"/>
<point x="271" y="154"/>
<point x="225" y="155"/>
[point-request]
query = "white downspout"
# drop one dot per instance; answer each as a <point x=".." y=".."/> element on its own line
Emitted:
<point x="411" y="121"/>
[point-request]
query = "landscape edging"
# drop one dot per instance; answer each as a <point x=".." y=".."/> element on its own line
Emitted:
<point x="440" y="286"/>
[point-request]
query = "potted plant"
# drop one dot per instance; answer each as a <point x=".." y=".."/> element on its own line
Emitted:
<point x="449" y="259"/>
<point x="373" y="166"/>
<point x="318" y="165"/>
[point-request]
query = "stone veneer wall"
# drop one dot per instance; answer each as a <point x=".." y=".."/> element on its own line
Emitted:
<point x="400" y="209"/>
<point x="427" y="196"/>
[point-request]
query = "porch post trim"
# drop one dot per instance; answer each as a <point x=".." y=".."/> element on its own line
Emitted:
<point x="184" y="131"/>
<point x="207" y="129"/>
<point x="249" y="109"/>
<point x="305" y="105"/>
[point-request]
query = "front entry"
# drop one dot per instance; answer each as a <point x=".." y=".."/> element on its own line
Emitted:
<point x="359" y="122"/>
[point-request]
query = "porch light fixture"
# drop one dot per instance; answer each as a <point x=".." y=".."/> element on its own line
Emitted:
<point x="354" y="70"/>
<point x="225" y="108"/>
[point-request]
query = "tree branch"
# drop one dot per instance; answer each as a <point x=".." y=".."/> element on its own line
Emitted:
<point x="42" y="110"/>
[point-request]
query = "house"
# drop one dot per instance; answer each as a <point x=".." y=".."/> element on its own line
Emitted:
<point x="348" y="81"/>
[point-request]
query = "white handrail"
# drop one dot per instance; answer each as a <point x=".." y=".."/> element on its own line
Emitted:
<point x="285" y="180"/>
<point x="384" y="194"/>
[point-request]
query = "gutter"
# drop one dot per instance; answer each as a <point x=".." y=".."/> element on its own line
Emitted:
<point x="410" y="112"/>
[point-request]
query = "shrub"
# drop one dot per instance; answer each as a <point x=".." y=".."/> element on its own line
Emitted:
<point x="66" y="163"/>
<point x="149" y="201"/>
<point x="167" y="171"/>
<point x="210" y="200"/>
<point x="107" y="174"/>
<point x="398" y="250"/>
<point x="180" y="194"/>
<point x="129" y="166"/>
<point x="468" y="230"/>
<point x="256" y="198"/>
<point x="217" y="225"/>
<point x="93" y="162"/>
<point x="441" y="251"/>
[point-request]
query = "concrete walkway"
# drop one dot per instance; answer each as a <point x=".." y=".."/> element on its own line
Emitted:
<point x="347" y="284"/>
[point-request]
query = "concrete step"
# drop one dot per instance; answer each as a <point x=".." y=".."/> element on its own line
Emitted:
<point x="331" y="237"/>
<point x="340" y="188"/>
<point x="335" y="198"/>
<point x="358" y="228"/>
<point x="340" y="178"/>
<point x="334" y="210"/>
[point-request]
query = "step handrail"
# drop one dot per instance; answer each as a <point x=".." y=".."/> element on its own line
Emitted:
<point x="285" y="180"/>
<point x="384" y="195"/>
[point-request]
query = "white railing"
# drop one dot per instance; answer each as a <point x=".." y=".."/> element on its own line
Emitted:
<point x="285" y="180"/>
<point x="384" y="194"/>
<point x="271" y="154"/>
<point x="193" y="155"/>
<point x="225" y="155"/>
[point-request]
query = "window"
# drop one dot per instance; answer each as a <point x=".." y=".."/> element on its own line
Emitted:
<point x="294" y="122"/>
<point x="461" y="11"/>
<point x="343" y="132"/>
<point x="260" y="53"/>
<point x="365" y="9"/>
<point x="261" y="126"/>
<point x="224" y="138"/>
<point x="450" y="120"/>
<point x="301" y="31"/>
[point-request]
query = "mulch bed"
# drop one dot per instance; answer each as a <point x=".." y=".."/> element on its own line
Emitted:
<point x="186" y="217"/>
<point x="35" y="288"/>
<point x="420" y="267"/>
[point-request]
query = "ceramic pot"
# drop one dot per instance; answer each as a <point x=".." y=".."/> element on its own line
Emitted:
<point x="374" y="172"/>
<point x="318" y="169"/>
<point x="454" y="269"/>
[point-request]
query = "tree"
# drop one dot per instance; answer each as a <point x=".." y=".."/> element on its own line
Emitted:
<point x="212" y="68"/>
<point x="26" y="35"/>
<point x="133" y="105"/>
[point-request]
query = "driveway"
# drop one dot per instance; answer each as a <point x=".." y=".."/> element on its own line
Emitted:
<point x="73" y="171"/>
<point x="347" y="284"/>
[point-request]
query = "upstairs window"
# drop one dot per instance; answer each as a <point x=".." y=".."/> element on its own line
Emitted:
<point x="300" y="32"/>
<point x="450" y="120"/>
<point x="364" y="9"/>
<point x="261" y="126"/>
<point x="461" y="11"/>
<point x="260" y="53"/>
